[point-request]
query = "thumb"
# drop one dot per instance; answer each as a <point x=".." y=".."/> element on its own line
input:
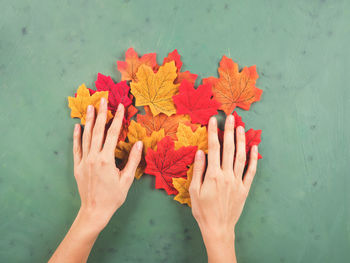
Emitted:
<point x="128" y="173"/>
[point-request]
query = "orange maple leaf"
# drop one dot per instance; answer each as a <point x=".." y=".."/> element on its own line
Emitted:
<point x="234" y="88"/>
<point x="83" y="99"/>
<point x="137" y="133"/>
<point x="156" y="89"/>
<point x="182" y="185"/>
<point x="161" y="121"/>
<point x="129" y="67"/>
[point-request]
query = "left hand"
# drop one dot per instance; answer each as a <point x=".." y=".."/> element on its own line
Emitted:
<point x="102" y="186"/>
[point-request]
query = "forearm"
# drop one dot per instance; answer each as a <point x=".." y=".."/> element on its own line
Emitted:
<point x="220" y="249"/>
<point x="78" y="242"/>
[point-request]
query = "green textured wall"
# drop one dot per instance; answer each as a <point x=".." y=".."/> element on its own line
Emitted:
<point x="298" y="209"/>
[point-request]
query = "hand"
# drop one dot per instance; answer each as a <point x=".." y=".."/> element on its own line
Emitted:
<point x="102" y="186"/>
<point x="218" y="199"/>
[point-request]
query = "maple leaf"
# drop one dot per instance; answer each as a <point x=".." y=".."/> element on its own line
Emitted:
<point x="91" y="91"/>
<point x="129" y="67"/>
<point x="187" y="137"/>
<point x="130" y="111"/>
<point x="167" y="163"/>
<point x="117" y="92"/>
<point x="156" y="89"/>
<point x="83" y="99"/>
<point x="238" y="120"/>
<point x="197" y="103"/>
<point x="137" y="133"/>
<point x="161" y="121"/>
<point x="175" y="56"/>
<point x="233" y="88"/>
<point x="182" y="185"/>
<point x="186" y="75"/>
<point x="252" y="137"/>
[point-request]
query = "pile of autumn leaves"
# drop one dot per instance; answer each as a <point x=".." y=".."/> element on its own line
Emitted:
<point x="174" y="125"/>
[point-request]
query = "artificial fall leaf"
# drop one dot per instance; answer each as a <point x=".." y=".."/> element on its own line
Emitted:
<point x="175" y="56"/>
<point x="83" y="99"/>
<point x="130" y="111"/>
<point x="117" y="92"/>
<point x="91" y="91"/>
<point x="186" y="75"/>
<point x="238" y="120"/>
<point x="137" y="133"/>
<point x="194" y="126"/>
<point x="187" y="137"/>
<point x="233" y="88"/>
<point x="197" y="103"/>
<point x="156" y="89"/>
<point x="161" y="121"/>
<point x="167" y="163"/>
<point x="182" y="185"/>
<point x="129" y="67"/>
<point x="252" y="137"/>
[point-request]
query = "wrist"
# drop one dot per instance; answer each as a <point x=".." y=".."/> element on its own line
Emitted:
<point x="218" y="235"/>
<point x="220" y="245"/>
<point x="90" y="221"/>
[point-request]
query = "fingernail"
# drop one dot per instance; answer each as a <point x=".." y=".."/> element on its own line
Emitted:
<point x="103" y="101"/>
<point x="139" y="145"/>
<point x="240" y="129"/>
<point x="199" y="155"/>
<point x="213" y="121"/>
<point x="230" y="119"/>
<point x="76" y="128"/>
<point x="120" y="106"/>
<point x="255" y="148"/>
<point x="89" y="109"/>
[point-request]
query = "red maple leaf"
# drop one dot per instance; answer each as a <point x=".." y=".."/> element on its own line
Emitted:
<point x="117" y="92"/>
<point x="238" y="122"/>
<point x="186" y="75"/>
<point x="197" y="103"/>
<point x="252" y="137"/>
<point x="167" y="163"/>
<point x="174" y="56"/>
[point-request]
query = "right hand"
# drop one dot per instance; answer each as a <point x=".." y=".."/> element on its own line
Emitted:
<point x="218" y="199"/>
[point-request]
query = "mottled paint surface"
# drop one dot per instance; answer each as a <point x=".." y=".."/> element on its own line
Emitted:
<point x="298" y="209"/>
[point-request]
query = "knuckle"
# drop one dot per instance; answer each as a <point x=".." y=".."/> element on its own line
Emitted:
<point x="227" y="179"/>
<point x="89" y="118"/>
<point x="214" y="145"/>
<point x="253" y="170"/>
<point x="112" y="132"/>
<point x="197" y="170"/>
<point x="193" y="189"/>
<point x="91" y="160"/>
<point x="76" y="149"/>
<point x="241" y="158"/>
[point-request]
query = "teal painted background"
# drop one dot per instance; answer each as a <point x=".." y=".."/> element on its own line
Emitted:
<point x="298" y="208"/>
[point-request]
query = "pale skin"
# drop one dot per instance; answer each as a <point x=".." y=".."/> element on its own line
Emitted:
<point x="217" y="197"/>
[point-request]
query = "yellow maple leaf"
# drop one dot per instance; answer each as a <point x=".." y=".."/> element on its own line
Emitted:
<point x="156" y="89"/>
<point x="187" y="137"/>
<point x="182" y="185"/>
<point x="83" y="99"/>
<point x="136" y="132"/>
